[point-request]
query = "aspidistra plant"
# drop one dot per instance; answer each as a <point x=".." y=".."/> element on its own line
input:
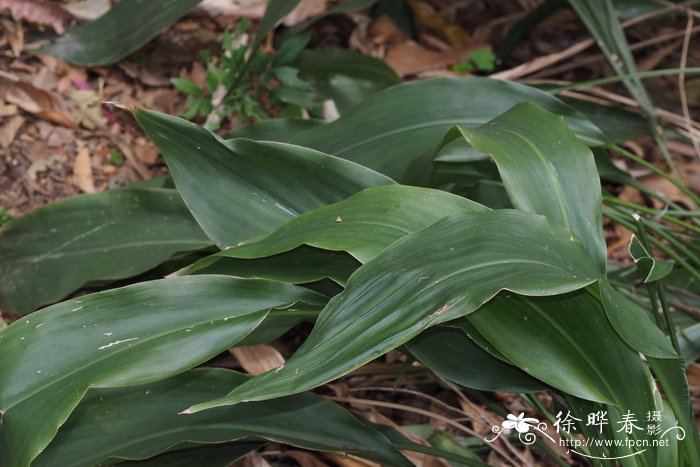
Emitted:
<point x="522" y="291"/>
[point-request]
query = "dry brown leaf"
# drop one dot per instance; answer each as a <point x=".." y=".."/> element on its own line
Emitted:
<point x="88" y="111"/>
<point x="43" y="104"/>
<point x="691" y="175"/>
<point x="409" y="58"/>
<point x="422" y="460"/>
<point x="14" y="33"/>
<point x="384" y="31"/>
<point x="668" y="190"/>
<point x="253" y="460"/>
<point x="146" y="151"/>
<point x="693" y="372"/>
<point x="82" y="171"/>
<point x="245" y="8"/>
<point x="41" y="12"/>
<point x="88" y="10"/>
<point x="45" y="79"/>
<point x="258" y="358"/>
<point x="426" y="15"/>
<point x="9" y="129"/>
<point x="7" y="110"/>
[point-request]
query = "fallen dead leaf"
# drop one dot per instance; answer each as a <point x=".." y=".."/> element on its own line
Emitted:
<point x="14" y="32"/>
<point x="41" y="164"/>
<point x="87" y="10"/>
<point x="426" y="15"/>
<point x="258" y="359"/>
<point x="146" y="151"/>
<point x="253" y="460"/>
<point x="7" y="110"/>
<point x="9" y="129"/>
<point x="384" y="31"/>
<point x="249" y="8"/>
<point x="89" y="108"/>
<point x="668" y="190"/>
<point x="39" y="12"/>
<point x="409" y="57"/>
<point x="82" y="171"/>
<point x="43" y="104"/>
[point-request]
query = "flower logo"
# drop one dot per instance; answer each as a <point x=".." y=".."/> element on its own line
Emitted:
<point x="519" y="423"/>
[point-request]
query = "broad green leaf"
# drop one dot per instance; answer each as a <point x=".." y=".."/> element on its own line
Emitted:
<point x="397" y="131"/>
<point x="566" y="341"/>
<point x="363" y="225"/>
<point x="245" y="188"/>
<point x="440" y="273"/>
<point x="632" y="324"/>
<point x="546" y="171"/>
<point x="51" y="252"/>
<point x="345" y="76"/>
<point x="121" y="337"/>
<point x="452" y="354"/>
<point x="650" y="268"/>
<point x="121" y="31"/>
<point x="297" y="266"/>
<point x="282" y="130"/>
<point x="142" y="421"/>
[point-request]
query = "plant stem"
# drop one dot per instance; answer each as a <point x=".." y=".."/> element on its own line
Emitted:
<point x="656" y="290"/>
<point x="623" y="77"/>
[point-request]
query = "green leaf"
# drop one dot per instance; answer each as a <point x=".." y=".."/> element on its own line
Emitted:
<point x="121" y="337"/>
<point x="274" y="13"/>
<point x="290" y="49"/>
<point x="139" y="422"/>
<point x="363" y="225"/>
<point x="282" y="130"/>
<point x="51" y="252"/>
<point x="452" y="354"/>
<point x="565" y="342"/>
<point x="437" y="274"/>
<point x="397" y="131"/>
<point x="601" y="20"/>
<point x="650" y="268"/>
<point x="537" y="156"/>
<point x="121" y="31"/>
<point x="633" y="324"/>
<point x="300" y="265"/>
<point x="345" y="76"/>
<point x="186" y="86"/>
<point x="244" y="188"/>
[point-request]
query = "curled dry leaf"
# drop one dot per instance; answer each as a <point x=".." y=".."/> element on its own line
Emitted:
<point x="258" y="359"/>
<point x="41" y="12"/>
<point x="43" y="104"/>
<point x="82" y="171"/>
<point x="9" y="129"/>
